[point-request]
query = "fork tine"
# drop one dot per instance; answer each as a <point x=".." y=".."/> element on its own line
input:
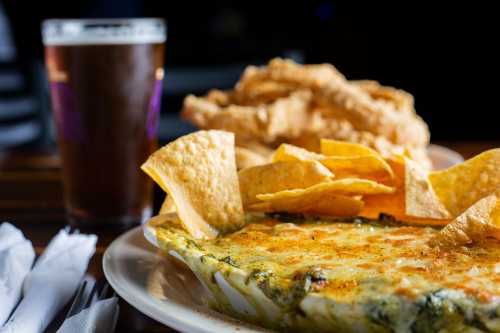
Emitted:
<point x="79" y="294"/>
<point x="91" y="298"/>
<point x="84" y="296"/>
<point x="104" y="291"/>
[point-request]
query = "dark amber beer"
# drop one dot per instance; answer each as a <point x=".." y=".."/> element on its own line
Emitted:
<point x="105" y="81"/>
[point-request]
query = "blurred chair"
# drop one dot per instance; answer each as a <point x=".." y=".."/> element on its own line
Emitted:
<point x="19" y="117"/>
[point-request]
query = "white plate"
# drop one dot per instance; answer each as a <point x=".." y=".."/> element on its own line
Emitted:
<point x="166" y="290"/>
<point x="163" y="289"/>
<point x="443" y="157"/>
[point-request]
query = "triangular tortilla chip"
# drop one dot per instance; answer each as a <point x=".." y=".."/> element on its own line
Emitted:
<point x="168" y="206"/>
<point x="476" y="223"/>
<point x="171" y="219"/>
<point x="246" y="158"/>
<point x="198" y="172"/>
<point x="330" y="198"/>
<point x="331" y="205"/>
<point x="279" y="176"/>
<point x="346" y="186"/>
<point x="420" y="199"/>
<point x="352" y="159"/>
<point x="464" y="184"/>
<point x="368" y="167"/>
<point x="395" y="204"/>
<point x="331" y="147"/>
<point x="313" y="203"/>
<point x="288" y="152"/>
<point x="344" y="165"/>
<point x="262" y="207"/>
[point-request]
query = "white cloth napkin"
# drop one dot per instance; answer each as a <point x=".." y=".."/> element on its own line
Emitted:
<point x="16" y="258"/>
<point x="100" y="317"/>
<point x="52" y="282"/>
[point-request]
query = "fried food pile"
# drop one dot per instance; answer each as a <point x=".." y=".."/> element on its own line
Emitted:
<point x="285" y="102"/>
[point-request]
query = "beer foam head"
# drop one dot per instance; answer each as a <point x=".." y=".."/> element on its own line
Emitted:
<point x="103" y="31"/>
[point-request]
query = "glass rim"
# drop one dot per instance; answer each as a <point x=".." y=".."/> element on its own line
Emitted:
<point x="104" y="31"/>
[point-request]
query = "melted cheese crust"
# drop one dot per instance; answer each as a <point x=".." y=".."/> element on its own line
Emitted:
<point x="359" y="260"/>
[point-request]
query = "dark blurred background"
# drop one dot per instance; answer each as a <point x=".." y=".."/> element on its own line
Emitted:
<point x="445" y="55"/>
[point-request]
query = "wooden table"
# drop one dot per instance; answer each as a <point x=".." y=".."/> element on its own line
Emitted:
<point x="31" y="199"/>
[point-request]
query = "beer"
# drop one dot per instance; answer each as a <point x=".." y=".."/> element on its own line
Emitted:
<point x="105" y="89"/>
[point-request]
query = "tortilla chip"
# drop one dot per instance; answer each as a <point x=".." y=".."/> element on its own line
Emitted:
<point x="329" y="199"/>
<point x="279" y="176"/>
<point x="346" y="186"/>
<point x="363" y="166"/>
<point x="314" y="204"/>
<point x="352" y="159"/>
<point x="167" y="206"/>
<point x="163" y="219"/>
<point x="287" y="152"/>
<point x="261" y="207"/>
<point x="462" y="185"/>
<point x="420" y="199"/>
<point x="368" y="167"/>
<point x="331" y="147"/>
<point x="395" y="204"/>
<point x="476" y="223"/>
<point x="246" y="158"/>
<point x="198" y="172"/>
<point x="331" y="205"/>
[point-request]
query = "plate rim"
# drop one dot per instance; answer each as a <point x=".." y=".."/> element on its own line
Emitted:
<point x="452" y="155"/>
<point x="110" y="277"/>
<point x="204" y="325"/>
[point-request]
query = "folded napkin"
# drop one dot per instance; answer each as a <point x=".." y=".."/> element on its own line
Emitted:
<point x="52" y="282"/>
<point x="100" y="317"/>
<point x="16" y="258"/>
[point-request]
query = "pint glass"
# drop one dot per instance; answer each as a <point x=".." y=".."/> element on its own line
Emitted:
<point x="105" y="80"/>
